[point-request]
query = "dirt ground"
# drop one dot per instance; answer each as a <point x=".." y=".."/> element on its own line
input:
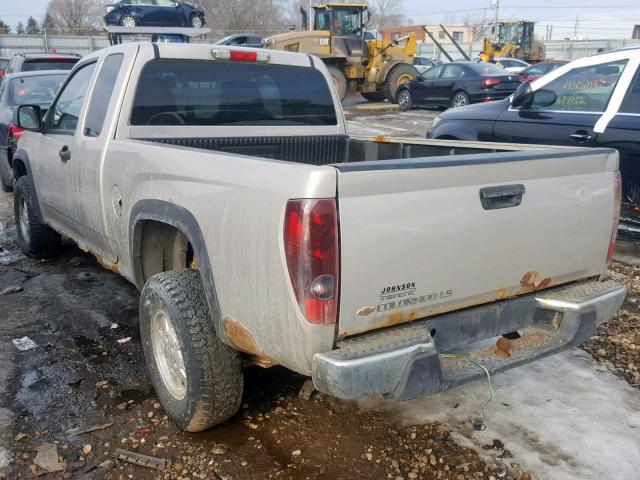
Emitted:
<point x="88" y="372"/>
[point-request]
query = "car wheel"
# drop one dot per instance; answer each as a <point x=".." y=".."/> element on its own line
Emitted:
<point x="373" y="96"/>
<point x="196" y="21"/>
<point x="404" y="100"/>
<point x="460" y="99"/>
<point x="197" y="378"/>
<point x="128" y="21"/>
<point x="35" y="238"/>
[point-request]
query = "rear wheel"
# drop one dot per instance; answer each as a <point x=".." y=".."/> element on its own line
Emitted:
<point x="373" y="96"/>
<point x="196" y="21"/>
<point x="398" y="76"/>
<point x="128" y="21"/>
<point x="339" y="81"/>
<point x="35" y="238"/>
<point x="460" y="99"/>
<point x="197" y="378"/>
<point x="404" y="100"/>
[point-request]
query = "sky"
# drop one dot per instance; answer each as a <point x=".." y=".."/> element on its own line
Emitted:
<point x="596" y="19"/>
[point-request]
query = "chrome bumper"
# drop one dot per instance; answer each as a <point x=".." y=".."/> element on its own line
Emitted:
<point x="406" y="362"/>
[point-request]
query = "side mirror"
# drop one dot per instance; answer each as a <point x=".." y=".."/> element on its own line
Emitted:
<point x="523" y="96"/>
<point x="29" y="117"/>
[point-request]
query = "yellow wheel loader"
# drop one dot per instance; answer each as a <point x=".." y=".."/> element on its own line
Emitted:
<point x="514" y="39"/>
<point x="372" y="67"/>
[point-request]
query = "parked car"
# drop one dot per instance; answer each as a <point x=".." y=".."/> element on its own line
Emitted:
<point x="154" y="13"/>
<point x="31" y="62"/>
<point x="537" y="70"/>
<point x="593" y="101"/>
<point x="4" y="61"/>
<point x="242" y="40"/>
<point x="422" y="64"/>
<point x="19" y="89"/>
<point x="511" y="65"/>
<point x="213" y="179"/>
<point x="457" y="84"/>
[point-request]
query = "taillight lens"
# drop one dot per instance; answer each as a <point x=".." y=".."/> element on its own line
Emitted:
<point x="616" y="215"/>
<point x="15" y="131"/>
<point x="490" y="82"/>
<point x="242" y="56"/>
<point x="311" y="250"/>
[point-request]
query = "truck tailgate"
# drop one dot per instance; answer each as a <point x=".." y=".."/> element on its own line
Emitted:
<point x="416" y="240"/>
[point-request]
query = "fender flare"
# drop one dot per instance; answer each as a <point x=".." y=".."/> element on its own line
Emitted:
<point x="182" y="219"/>
<point x="22" y="156"/>
<point x="456" y="131"/>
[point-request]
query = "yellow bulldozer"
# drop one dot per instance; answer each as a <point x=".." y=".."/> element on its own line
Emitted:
<point x="514" y="39"/>
<point x="356" y="59"/>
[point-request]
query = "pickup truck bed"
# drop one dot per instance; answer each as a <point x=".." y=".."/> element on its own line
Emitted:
<point x="227" y="189"/>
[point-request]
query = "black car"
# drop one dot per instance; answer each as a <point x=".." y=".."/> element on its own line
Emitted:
<point x="242" y="39"/>
<point x="594" y="101"/>
<point x="457" y="84"/>
<point x="33" y="88"/>
<point x="31" y="62"/>
<point x="154" y="13"/>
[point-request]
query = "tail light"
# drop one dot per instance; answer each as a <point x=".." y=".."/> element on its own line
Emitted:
<point x="240" y="55"/>
<point x="15" y="131"/>
<point x="311" y="250"/>
<point x="490" y="82"/>
<point x="616" y="215"/>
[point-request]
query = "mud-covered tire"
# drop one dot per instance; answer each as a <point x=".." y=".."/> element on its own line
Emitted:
<point x="36" y="239"/>
<point x="399" y="75"/>
<point x="214" y="379"/>
<point x="339" y="81"/>
<point x="373" y="96"/>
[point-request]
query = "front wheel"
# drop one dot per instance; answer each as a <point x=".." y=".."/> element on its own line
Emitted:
<point x="128" y="21"/>
<point x="460" y="99"/>
<point x="404" y="100"/>
<point x="373" y="96"/>
<point x="36" y="239"/>
<point x="196" y="21"/>
<point x="198" y="379"/>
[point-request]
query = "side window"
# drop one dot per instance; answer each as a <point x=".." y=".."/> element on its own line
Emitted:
<point x="66" y="110"/>
<point x="631" y="102"/>
<point x="585" y="89"/>
<point x="453" y="71"/>
<point x="432" y="73"/>
<point x="101" y="95"/>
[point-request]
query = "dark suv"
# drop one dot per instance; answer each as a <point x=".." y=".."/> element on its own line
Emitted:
<point x="31" y="62"/>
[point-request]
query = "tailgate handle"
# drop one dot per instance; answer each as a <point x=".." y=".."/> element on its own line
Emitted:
<point x="504" y="196"/>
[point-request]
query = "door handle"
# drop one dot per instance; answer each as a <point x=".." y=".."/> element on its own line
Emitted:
<point x="65" y="154"/>
<point x="504" y="196"/>
<point x="581" y="136"/>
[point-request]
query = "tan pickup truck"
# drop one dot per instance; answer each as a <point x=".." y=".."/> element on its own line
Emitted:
<point x="221" y="181"/>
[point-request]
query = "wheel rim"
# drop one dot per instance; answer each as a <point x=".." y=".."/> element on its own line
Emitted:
<point x="168" y="355"/>
<point x="23" y="214"/>
<point x="128" y="22"/>
<point x="403" y="100"/>
<point x="459" y="100"/>
<point x="196" y="22"/>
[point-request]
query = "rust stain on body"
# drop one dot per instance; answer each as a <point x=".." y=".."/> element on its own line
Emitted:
<point x="239" y="336"/>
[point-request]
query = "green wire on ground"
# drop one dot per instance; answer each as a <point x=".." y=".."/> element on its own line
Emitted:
<point x="481" y="366"/>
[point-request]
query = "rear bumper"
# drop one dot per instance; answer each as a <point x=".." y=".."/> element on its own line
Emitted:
<point x="406" y="362"/>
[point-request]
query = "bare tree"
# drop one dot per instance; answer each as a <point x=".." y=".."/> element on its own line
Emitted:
<point x="481" y="24"/>
<point x="258" y="16"/>
<point x="385" y="13"/>
<point x="79" y="16"/>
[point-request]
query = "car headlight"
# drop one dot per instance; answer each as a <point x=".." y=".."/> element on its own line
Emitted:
<point x="110" y="8"/>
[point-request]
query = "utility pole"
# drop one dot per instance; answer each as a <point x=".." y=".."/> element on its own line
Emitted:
<point x="575" y="29"/>
<point x="497" y="4"/>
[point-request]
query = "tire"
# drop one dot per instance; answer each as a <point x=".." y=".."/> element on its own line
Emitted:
<point x="373" y="96"/>
<point x="404" y="100"/>
<point x="36" y="239"/>
<point x="195" y="21"/>
<point x="459" y="99"/>
<point x="339" y="81"/>
<point x="399" y="75"/>
<point x="208" y="389"/>
<point x="128" y="21"/>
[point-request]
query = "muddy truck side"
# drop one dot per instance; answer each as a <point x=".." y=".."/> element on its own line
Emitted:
<point x="222" y="183"/>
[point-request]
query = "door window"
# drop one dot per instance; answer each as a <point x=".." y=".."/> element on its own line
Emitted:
<point x="584" y="89"/>
<point x="453" y="71"/>
<point x="101" y="95"/>
<point x="631" y="102"/>
<point x="66" y="111"/>
<point x="165" y="3"/>
<point x="432" y="73"/>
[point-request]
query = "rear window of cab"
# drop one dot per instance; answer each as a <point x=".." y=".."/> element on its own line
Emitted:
<point x="180" y="92"/>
